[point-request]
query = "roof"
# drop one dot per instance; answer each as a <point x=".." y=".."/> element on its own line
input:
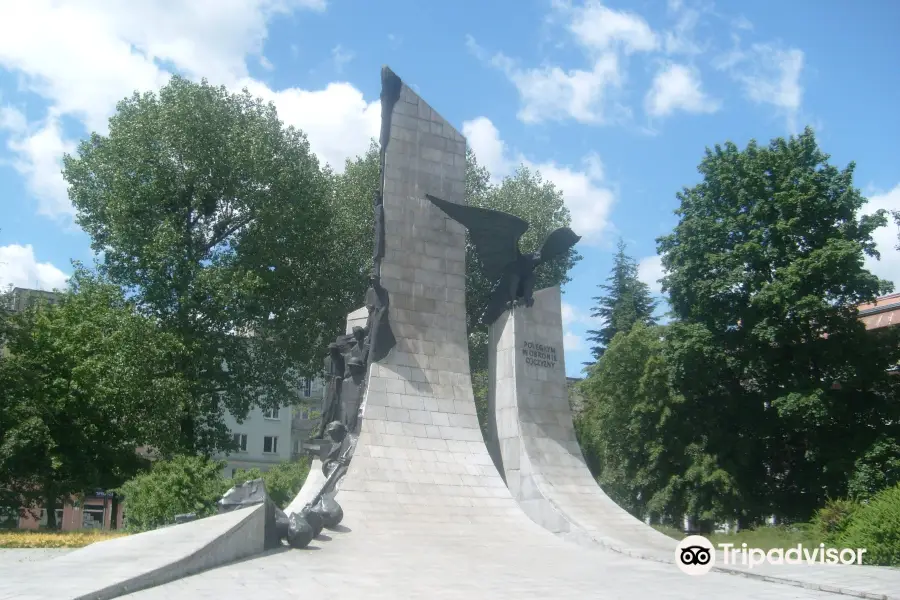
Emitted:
<point x="883" y="312"/>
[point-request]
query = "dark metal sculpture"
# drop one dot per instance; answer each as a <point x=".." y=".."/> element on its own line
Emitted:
<point x="349" y="359"/>
<point x="496" y="237"/>
<point x="251" y="493"/>
<point x="334" y="377"/>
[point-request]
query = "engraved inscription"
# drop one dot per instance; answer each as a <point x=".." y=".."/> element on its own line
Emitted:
<point x="539" y="355"/>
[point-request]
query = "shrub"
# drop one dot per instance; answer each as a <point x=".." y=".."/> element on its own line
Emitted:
<point x="832" y="520"/>
<point x="185" y="484"/>
<point x="876" y="527"/>
<point x="283" y="481"/>
<point x="876" y="470"/>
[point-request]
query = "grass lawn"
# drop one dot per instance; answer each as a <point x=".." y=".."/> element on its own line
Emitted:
<point x="764" y="538"/>
<point x="21" y="538"/>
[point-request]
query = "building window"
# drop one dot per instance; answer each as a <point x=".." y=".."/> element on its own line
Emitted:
<point x="240" y="440"/>
<point x="93" y="516"/>
<point x="307" y="388"/>
<point x="59" y="518"/>
<point x="272" y="413"/>
<point x="270" y="444"/>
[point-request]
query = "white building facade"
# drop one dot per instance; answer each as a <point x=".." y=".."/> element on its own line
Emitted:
<point x="268" y="437"/>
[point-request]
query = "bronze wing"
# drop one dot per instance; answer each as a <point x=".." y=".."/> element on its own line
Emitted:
<point x="495" y="234"/>
<point x="558" y="243"/>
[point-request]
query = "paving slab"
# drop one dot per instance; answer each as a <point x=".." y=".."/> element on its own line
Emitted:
<point x="114" y="567"/>
<point x="459" y="561"/>
<point x="12" y="558"/>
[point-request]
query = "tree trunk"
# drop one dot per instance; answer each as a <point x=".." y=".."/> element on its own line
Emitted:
<point x="114" y="512"/>
<point x="50" y="506"/>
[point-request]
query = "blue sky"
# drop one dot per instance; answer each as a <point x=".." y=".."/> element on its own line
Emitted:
<point x="614" y="102"/>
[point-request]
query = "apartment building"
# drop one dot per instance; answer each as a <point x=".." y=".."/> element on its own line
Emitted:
<point x="268" y="437"/>
<point x="23" y="298"/>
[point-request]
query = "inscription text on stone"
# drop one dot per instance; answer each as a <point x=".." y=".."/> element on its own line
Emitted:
<point x="539" y="355"/>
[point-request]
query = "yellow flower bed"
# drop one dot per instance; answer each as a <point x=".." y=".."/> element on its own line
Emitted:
<point x="24" y="538"/>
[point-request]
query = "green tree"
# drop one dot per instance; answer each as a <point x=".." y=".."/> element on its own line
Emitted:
<point x="219" y="223"/>
<point x="626" y="302"/>
<point x="83" y="383"/>
<point x="766" y="267"/>
<point x="633" y="433"/>
<point x="181" y="485"/>
<point x="354" y="189"/>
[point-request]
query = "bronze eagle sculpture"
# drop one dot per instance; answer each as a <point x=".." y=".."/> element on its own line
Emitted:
<point x="496" y="235"/>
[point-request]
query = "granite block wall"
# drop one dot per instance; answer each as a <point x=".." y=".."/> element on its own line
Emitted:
<point x="541" y="459"/>
<point x="421" y="456"/>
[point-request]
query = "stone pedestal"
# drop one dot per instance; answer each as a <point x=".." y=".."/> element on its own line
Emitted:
<point x="533" y="435"/>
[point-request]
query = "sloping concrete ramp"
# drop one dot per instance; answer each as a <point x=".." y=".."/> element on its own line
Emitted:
<point x="119" y="566"/>
<point x="427" y="514"/>
<point x="533" y="431"/>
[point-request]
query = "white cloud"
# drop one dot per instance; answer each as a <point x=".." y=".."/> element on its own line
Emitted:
<point x="680" y="39"/>
<point x="769" y="74"/>
<point x="678" y="87"/>
<point x="742" y="22"/>
<point x="586" y="195"/>
<point x="599" y="28"/>
<point x="572" y="315"/>
<point x="484" y="139"/>
<point x="571" y="342"/>
<point x="38" y="159"/>
<point x="586" y="95"/>
<point x="12" y="119"/>
<point x="341" y="57"/>
<point x="20" y="268"/>
<point x="568" y="313"/>
<point x="550" y="93"/>
<point x="650" y="271"/>
<point x="886" y="237"/>
<point x="84" y="56"/>
<point x="338" y="120"/>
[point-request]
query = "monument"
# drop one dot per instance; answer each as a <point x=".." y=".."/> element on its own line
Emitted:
<point x="427" y="512"/>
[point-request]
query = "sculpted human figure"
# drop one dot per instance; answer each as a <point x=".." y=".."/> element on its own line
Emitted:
<point x="334" y="375"/>
<point x="361" y="349"/>
<point x="381" y="337"/>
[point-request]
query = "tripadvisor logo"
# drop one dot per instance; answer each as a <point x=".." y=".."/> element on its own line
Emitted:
<point x="696" y="555"/>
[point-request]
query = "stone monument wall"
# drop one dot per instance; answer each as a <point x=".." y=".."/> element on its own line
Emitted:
<point x="421" y="455"/>
<point x="539" y="453"/>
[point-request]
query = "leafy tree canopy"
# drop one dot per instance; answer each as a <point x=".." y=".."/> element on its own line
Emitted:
<point x="181" y="485"/>
<point x="765" y="267"/>
<point x="219" y="223"/>
<point x="82" y="384"/>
